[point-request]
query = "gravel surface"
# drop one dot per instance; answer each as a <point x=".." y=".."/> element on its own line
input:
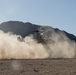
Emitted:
<point x="38" y="67"/>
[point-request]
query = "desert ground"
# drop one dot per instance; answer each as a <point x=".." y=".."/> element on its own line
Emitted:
<point x="38" y="67"/>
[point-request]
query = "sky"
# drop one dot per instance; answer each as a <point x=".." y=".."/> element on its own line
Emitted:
<point x="56" y="13"/>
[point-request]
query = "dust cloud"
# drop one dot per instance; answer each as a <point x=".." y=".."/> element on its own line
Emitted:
<point x="15" y="47"/>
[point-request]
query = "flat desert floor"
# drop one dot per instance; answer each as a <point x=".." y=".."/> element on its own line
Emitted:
<point x="38" y="67"/>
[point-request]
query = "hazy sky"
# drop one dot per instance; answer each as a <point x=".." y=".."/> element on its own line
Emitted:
<point x="56" y="13"/>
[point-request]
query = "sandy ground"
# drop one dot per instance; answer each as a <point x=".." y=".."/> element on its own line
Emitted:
<point x="38" y="67"/>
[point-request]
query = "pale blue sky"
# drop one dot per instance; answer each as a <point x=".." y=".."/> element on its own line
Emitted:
<point x="56" y="13"/>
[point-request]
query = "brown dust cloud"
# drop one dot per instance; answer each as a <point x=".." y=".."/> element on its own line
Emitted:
<point x="12" y="48"/>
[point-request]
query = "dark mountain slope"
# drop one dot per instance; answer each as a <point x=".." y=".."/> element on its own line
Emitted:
<point x="41" y="33"/>
<point x="18" y="28"/>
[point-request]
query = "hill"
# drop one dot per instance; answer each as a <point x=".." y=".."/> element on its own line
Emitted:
<point x="41" y="33"/>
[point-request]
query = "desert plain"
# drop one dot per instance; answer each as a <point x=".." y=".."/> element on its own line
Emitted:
<point x="38" y="67"/>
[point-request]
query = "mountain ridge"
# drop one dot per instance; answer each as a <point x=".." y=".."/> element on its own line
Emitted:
<point x="25" y="29"/>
